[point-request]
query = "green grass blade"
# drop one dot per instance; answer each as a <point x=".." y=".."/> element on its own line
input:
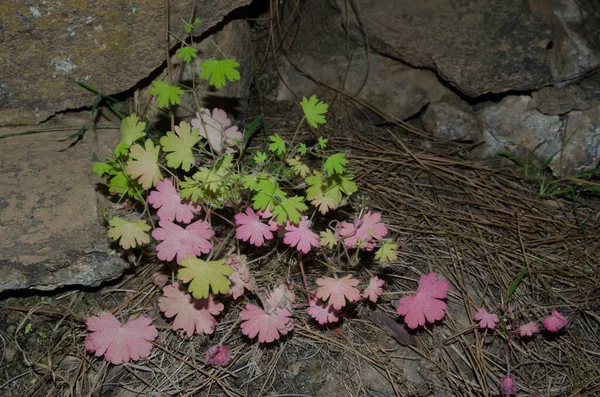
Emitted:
<point x="513" y="286"/>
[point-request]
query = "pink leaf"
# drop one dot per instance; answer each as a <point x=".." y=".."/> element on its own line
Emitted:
<point x="241" y="277"/>
<point x="323" y="312"/>
<point x="374" y="290"/>
<point x="486" y="320"/>
<point x="169" y="203"/>
<point x="218" y="355"/>
<point x="193" y="240"/>
<point x="528" y="329"/>
<point x="268" y="327"/>
<point x="190" y="313"/>
<point x="301" y="236"/>
<point x="337" y="291"/>
<point x="217" y="129"/>
<point x="118" y="342"/>
<point x="508" y="385"/>
<point x="251" y="228"/>
<point x="364" y="231"/>
<point x="555" y="321"/>
<point x="426" y="303"/>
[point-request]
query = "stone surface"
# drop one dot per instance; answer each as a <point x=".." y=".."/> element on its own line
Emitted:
<point x="581" y="150"/>
<point x="576" y="36"/>
<point x="477" y="46"/>
<point x="51" y="231"/>
<point x="560" y="100"/>
<point x="451" y="120"/>
<point x="393" y="87"/>
<point x="511" y="125"/>
<point x="47" y="46"/>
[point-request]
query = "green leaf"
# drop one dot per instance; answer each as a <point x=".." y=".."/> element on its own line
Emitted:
<point x="278" y="145"/>
<point x="515" y="283"/>
<point x="260" y="157"/>
<point x="314" y="110"/>
<point x="335" y="164"/>
<point x="132" y="129"/>
<point x="269" y="193"/>
<point x="191" y="189"/>
<point x="179" y="146"/>
<point x="323" y="142"/>
<point x="302" y="149"/>
<point x="189" y="28"/>
<point x="102" y="168"/>
<point x="131" y="234"/>
<point x="186" y="53"/>
<point x="166" y="94"/>
<point x="121" y="183"/>
<point x="289" y="210"/>
<point x="216" y="71"/>
<point x="327" y="193"/>
<point x="205" y="276"/>
<point x="387" y="252"/>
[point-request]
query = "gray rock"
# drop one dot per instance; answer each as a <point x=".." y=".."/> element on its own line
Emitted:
<point x="51" y="231"/>
<point x="452" y="121"/>
<point x="576" y="40"/>
<point x="581" y="148"/>
<point x="477" y="46"/>
<point x="46" y="47"/>
<point x="512" y="125"/>
<point x="560" y="100"/>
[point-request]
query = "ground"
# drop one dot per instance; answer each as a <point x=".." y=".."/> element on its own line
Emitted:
<point x="477" y="225"/>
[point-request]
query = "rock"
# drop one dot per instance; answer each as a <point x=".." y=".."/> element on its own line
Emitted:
<point x="560" y="100"/>
<point x="47" y="46"/>
<point x="478" y="46"/>
<point x="393" y="87"/>
<point x="451" y="120"/>
<point x="581" y="150"/>
<point x="575" y="49"/>
<point x="51" y="230"/>
<point x="512" y="125"/>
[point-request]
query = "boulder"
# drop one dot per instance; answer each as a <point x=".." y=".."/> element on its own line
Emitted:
<point x="452" y="120"/>
<point x="47" y="47"/>
<point x="52" y="232"/>
<point x="479" y="47"/>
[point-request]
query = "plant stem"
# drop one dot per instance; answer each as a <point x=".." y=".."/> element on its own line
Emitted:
<point x="303" y="276"/>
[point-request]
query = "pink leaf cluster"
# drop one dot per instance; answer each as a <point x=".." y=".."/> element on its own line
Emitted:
<point x="529" y="329"/>
<point x="218" y="355"/>
<point x="374" y="290"/>
<point x="180" y="242"/>
<point x="363" y="231"/>
<point x="337" y="291"/>
<point x="268" y="326"/>
<point x="426" y="304"/>
<point x="217" y="129"/>
<point x="323" y="312"/>
<point x="555" y="322"/>
<point x="190" y="313"/>
<point x="241" y="277"/>
<point x="119" y="343"/>
<point x="170" y="205"/>
<point x="301" y="236"/>
<point x="486" y="320"/>
<point x="508" y="386"/>
<point x="250" y="227"/>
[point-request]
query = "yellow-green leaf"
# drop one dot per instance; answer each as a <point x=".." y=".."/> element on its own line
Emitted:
<point x="205" y="276"/>
<point x="132" y="129"/>
<point x="131" y="234"/>
<point x="144" y="164"/>
<point x="387" y="252"/>
<point x="179" y="146"/>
